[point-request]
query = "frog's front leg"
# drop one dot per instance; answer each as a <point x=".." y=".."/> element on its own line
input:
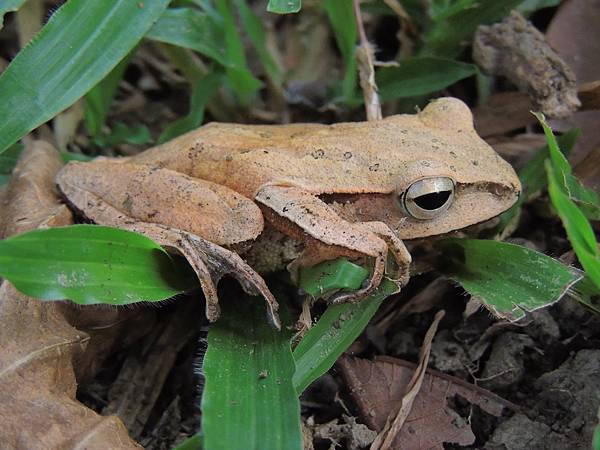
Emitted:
<point x="194" y="217"/>
<point x="306" y="217"/>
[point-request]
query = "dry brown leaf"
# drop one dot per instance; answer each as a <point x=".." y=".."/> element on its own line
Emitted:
<point x="502" y="113"/>
<point x="515" y="49"/>
<point x="38" y="409"/>
<point x="589" y="94"/>
<point x="573" y="33"/>
<point x="378" y="386"/>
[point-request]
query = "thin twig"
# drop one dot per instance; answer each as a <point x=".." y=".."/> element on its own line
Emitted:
<point x="366" y="70"/>
<point x="392" y="428"/>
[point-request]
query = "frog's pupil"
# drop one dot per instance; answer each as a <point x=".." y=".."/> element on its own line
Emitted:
<point x="432" y="201"/>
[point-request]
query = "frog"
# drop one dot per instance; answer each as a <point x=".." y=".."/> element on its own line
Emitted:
<point x="353" y="189"/>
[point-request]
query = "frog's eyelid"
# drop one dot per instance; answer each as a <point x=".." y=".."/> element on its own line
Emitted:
<point x="427" y="198"/>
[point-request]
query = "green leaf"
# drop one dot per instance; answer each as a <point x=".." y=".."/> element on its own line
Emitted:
<point x="508" y="278"/>
<point x="92" y="264"/>
<point x="81" y="43"/>
<point x="331" y="275"/>
<point x="241" y="80"/>
<point x="420" y="76"/>
<point x="190" y="28"/>
<point x="334" y="332"/>
<point x="257" y="35"/>
<point x="533" y="178"/>
<point x="136" y="135"/>
<point x="249" y="401"/>
<point x="452" y="29"/>
<point x="100" y="97"/>
<point x="9" y="6"/>
<point x="203" y="91"/>
<point x="9" y="159"/>
<point x="71" y="156"/>
<point x="341" y="17"/>
<point x="195" y="442"/>
<point x="284" y="6"/>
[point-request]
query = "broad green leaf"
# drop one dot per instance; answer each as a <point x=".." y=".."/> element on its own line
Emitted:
<point x="92" y="264"/>
<point x="533" y="178"/>
<point x="249" y="401"/>
<point x="205" y="88"/>
<point x="452" y="30"/>
<point x="241" y="80"/>
<point x="284" y="6"/>
<point x="341" y="17"/>
<point x="100" y="97"/>
<point x="257" y="35"/>
<point x="190" y="28"/>
<point x="81" y="43"/>
<point x="508" y="278"/>
<point x="9" y="6"/>
<point x="195" y="442"/>
<point x="420" y="76"/>
<point x="9" y="158"/>
<point x="136" y="135"/>
<point x="334" y="332"/>
<point x="331" y="275"/>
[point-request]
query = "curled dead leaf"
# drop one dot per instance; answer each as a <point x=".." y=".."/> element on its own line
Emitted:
<point x="38" y="409"/>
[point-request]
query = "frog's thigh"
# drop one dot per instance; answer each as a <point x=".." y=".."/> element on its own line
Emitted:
<point x="317" y="220"/>
<point x="166" y="197"/>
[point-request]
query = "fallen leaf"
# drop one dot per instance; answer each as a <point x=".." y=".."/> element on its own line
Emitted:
<point x="573" y="33"/>
<point x="38" y="409"/>
<point x="378" y="387"/>
<point x="502" y="113"/>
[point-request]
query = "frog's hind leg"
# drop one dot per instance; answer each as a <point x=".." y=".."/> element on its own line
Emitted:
<point x="306" y="217"/>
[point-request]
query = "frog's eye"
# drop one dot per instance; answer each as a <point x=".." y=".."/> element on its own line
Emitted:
<point x="428" y="198"/>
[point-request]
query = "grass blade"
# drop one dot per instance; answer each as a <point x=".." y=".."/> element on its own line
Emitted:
<point x="99" y="99"/>
<point x="203" y="91"/>
<point x="333" y="333"/>
<point x="420" y="76"/>
<point x="249" y="401"/>
<point x="92" y="264"/>
<point x="82" y="42"/>
<point x="508" y="278"/>
<point x="341" y="17"/>
<point x="192" y="29"/>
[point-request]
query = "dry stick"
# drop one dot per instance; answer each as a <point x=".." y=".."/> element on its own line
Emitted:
<point x="366" y="70"/>
<point x="390" y="431"/>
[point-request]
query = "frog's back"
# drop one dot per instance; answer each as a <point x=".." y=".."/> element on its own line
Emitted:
<point x="354" y="157"/>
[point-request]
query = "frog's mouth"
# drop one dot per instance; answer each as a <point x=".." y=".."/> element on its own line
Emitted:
<point x="471" y="204"/>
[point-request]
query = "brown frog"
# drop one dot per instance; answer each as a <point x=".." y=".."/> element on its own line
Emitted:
<point x="349" y="189"/>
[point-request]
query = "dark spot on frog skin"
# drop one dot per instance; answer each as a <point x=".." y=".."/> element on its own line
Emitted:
<point x="318" y="154"/>
<point x="347" y="155"/>
<point x="475" y="163"/>
<point x="228" y="158"/>
<point x="265" y="134"/>
<point x="127" y="203"/>
<point x="425" y="163"/>
<point x="152" y="214"/>
<point x="374" y="167"/>
<point x="265" y="152"/>
<point x="453" y="154"/>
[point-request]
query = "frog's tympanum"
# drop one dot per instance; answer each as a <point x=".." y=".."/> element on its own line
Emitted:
<point x="349" y="189"/>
